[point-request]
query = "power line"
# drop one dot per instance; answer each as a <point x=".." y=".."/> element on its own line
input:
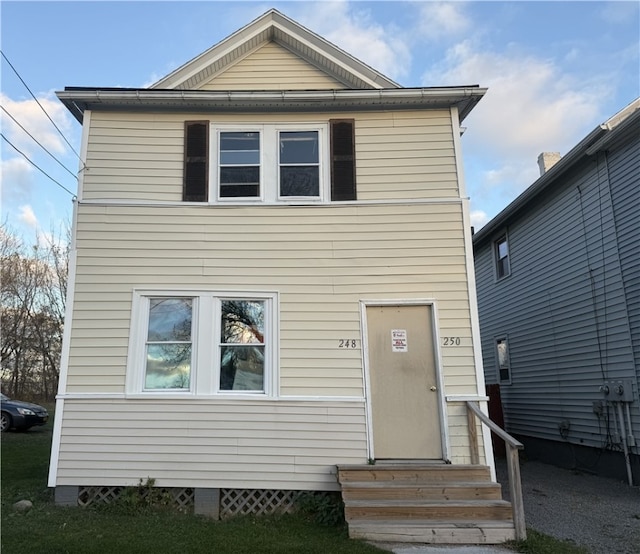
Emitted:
<point x="38" y="102"/>
<point x="36" y="166"/>
<point x="38" y="143"/>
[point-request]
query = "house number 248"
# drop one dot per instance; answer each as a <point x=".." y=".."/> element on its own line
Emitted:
<point x="347" y="343"/>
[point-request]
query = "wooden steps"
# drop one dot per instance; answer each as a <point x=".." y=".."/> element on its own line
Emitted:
<point x="443" y="504"/>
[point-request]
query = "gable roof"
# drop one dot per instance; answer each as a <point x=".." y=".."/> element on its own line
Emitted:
<point x="184" y="89"/>
<point x="276" y="27"/>
<point x="618" y="126"/>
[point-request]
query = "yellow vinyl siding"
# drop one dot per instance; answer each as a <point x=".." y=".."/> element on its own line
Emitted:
<point x="399" y="156"/>
<point x="322" y="260"/>
<point x="252" y="444"/>
<point x="272" y="67"/>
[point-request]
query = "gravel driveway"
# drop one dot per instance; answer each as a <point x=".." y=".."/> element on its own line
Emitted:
<point x="599" y="513"/>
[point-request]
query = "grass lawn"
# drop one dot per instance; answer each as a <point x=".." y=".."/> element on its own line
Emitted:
<point x="48" y="529"/>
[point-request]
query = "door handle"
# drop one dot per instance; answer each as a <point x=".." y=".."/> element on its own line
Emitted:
<point x="433" y="388"/>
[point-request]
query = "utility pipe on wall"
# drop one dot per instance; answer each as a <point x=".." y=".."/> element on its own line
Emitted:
<point x="623" y="436"/>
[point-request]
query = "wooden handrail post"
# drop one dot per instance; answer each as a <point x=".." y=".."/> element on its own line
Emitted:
<point x="515" y="490"/>
<point x="473" y="438"/>
<point x="513" y="463"/>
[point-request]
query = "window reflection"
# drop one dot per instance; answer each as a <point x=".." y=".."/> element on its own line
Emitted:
<point x="168" y="349"/>
<point x="242" y="350"/>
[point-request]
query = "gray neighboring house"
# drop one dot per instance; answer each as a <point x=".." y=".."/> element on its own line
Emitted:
<point x="558" y="283"/>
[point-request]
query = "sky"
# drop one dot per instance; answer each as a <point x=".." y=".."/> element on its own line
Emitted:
<point x="554" y="71"/>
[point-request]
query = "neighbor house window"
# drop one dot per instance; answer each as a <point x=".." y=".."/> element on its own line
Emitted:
<point x="203" y="343"/>
<point x="502" y="357"/>
<point x="275" y="163"/>
<point x="501" y="247"/>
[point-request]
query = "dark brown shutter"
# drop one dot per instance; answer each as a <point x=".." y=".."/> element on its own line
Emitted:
<point x="343" y="160"/>
<point x="196" y="164"/>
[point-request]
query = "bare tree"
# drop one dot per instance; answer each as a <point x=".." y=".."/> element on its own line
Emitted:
<point x="33" y="285"/>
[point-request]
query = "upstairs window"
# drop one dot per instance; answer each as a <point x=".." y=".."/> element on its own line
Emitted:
<point x="501" y="250"/>
<point x="239" y="168"/>
<point x="299" y="164"/>
<point x="269" y="163"/>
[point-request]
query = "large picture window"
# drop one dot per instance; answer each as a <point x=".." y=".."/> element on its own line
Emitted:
<point x="203" y="343"/>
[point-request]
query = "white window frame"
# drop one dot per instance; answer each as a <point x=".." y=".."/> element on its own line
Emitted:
<point x="269" y="163"/>
<point x="205" y="368"/>
<point x="496" y="256"/>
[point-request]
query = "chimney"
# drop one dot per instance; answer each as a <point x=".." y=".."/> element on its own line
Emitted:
<point x="547" y="160"/>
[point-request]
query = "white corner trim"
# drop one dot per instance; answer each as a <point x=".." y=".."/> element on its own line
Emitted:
<point x="66" y="346"/>
<point x="457" y="149"/>
<point x="475" y="331"/>
<point x="84" y="145"/>
<point x="55" y="443"/>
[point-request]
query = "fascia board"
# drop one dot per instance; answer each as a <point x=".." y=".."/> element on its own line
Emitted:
<point x="77" y="100"/>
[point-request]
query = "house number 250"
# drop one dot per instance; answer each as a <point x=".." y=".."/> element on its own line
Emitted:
<point x="347" y="343"/>
<point x="451" y="341"/>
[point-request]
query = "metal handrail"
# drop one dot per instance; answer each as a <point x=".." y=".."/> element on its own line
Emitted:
<point x="513" y="463"/>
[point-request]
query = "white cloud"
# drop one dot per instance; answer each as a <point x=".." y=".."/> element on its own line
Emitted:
<point x="478" y="219"/>
<point x="620" y="13"/>
<point x="17" y="180"/>
<point x="354" y="30"/>
<point x="29" y="114"/>
<point x="28" y="217"/>
<point x="532" y="106"/>
<point x="439" y="20"/>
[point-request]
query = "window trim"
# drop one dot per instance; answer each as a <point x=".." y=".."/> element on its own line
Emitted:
<point x="496" y="340"/>
<point x="205" y="371"/>
<point x="269" y="163"/>
<point x="504" y="238"/>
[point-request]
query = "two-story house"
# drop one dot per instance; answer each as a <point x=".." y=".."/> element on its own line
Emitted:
<point x="558" y="278"/>
<point x="272" y="276"/>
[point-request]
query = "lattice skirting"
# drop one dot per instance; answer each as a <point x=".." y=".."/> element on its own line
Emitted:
<point x="232" y="501"/>
<point x="180" y="498"/>
<point x="256" y="501"/>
